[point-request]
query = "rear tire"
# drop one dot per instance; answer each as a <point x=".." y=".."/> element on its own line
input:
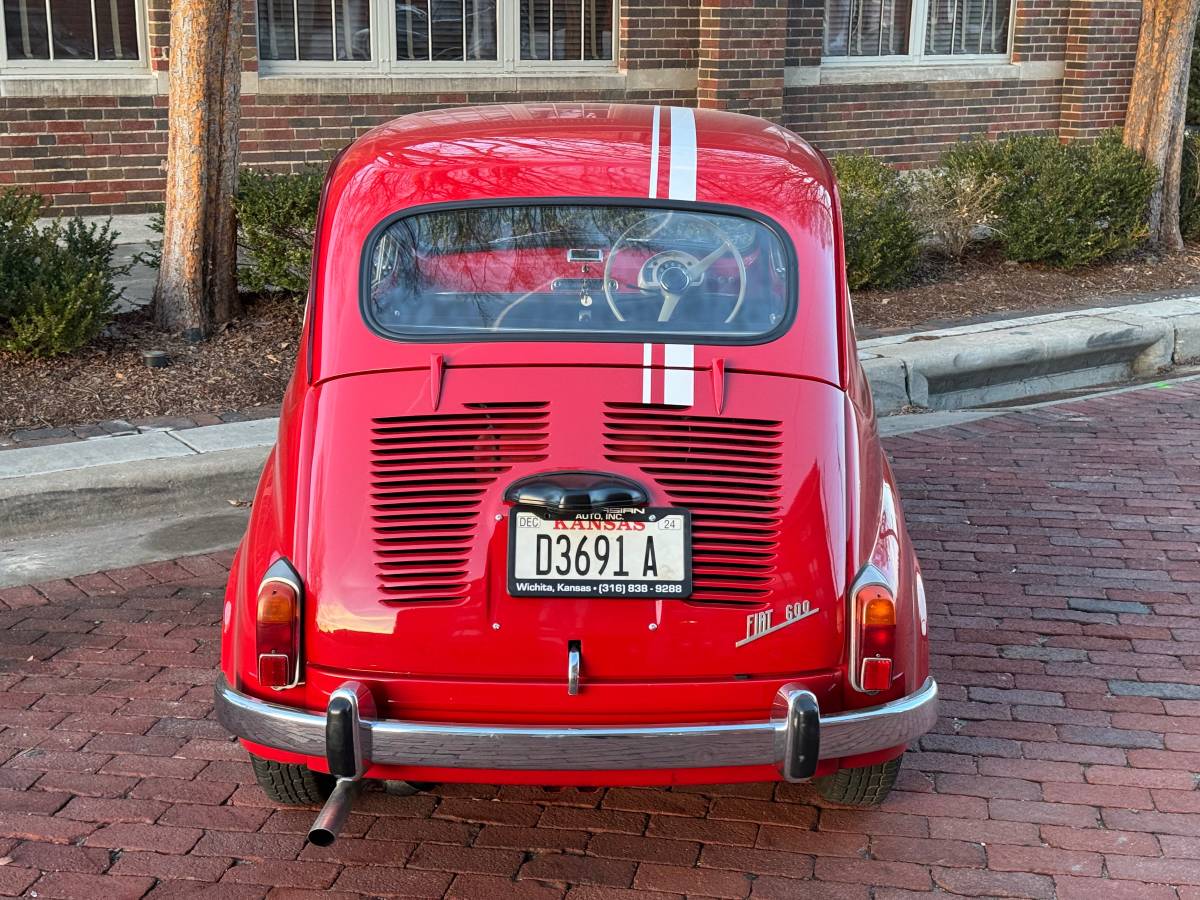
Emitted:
<point x="868" y="786"/>
<point x="290" y="783"/>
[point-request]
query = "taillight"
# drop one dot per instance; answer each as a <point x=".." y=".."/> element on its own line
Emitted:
<point x="873" y="605"/>
<point x="875" y="630"/>
<point x="277" y="627"/>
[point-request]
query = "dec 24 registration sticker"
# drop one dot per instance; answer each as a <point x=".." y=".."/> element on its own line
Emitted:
<point x="628" y="552"/>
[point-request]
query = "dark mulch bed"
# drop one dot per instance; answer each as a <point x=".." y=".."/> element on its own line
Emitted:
<point x="984" y="286"/>
<point x="245" y="366"/>
<point x="248" y="364"/>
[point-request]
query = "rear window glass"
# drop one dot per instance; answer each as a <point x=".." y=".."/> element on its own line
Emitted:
<point x="584" y="272"/>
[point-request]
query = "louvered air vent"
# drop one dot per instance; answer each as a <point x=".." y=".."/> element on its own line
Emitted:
<point x="428" y="477"/>
<point x="726" y="471"/>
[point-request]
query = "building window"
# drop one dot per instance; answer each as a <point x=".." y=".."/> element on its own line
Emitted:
<point x="70" y="31"/>
<point x="566" y="30"/>
<point x="324" y="30"/>
<point x="967" y="27"/>
<point x="916" y="29"/>
<point x="402" y="35"/>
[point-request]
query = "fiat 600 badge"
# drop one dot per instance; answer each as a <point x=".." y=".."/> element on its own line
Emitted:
<point x="577" y="479"/>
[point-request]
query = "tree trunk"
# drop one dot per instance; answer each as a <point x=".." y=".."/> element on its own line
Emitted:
<point x="1154" y="123"/>
<point x="197" y="279"/>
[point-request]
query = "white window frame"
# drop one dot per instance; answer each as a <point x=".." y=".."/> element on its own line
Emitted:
<point x="82" y="68"/>
<point x="383" y="60"/>
<point x="916" y="55"/>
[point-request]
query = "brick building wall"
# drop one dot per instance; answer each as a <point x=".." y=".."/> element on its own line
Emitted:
<point x="805" y="31"/>
<point x="912" y="123"/>
<point x="1101" y="46"/>
<point x="911" y="120"/>
<point x="97" y="144"/>
<point x="741" y="59"/>
<point x="660" y="34"/>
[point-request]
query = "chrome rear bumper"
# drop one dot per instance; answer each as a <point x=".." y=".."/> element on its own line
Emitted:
<point x="793" y="738"/>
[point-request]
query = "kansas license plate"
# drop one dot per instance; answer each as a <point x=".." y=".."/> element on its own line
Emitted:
<point x="642" y="552"/>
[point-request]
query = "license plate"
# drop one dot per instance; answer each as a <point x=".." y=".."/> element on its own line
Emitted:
<point x="642" y="552"/>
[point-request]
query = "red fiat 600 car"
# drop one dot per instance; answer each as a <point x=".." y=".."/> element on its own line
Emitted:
<point x="577" y="479"/>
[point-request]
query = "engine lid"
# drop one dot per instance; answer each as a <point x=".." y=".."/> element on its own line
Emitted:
<point x="408" y="559"/>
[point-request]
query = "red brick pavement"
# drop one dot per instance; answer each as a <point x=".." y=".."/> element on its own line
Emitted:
<point x="1060" y="550"/>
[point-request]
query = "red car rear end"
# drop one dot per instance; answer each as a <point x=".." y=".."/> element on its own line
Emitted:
<point x="577" y="479"/>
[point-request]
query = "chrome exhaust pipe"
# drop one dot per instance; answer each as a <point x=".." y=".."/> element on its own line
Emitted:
<point x="332" y="817"/>
<point x="344" y="753"/>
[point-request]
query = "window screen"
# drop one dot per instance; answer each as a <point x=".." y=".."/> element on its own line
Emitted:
<point x="867" y="27"/>
<point x="955" y="27"/>
<point x="883" y="27"/>
<point x="446" y="30"/>
<point x="566" y="29"/>
<point x="86" y="30"/>
<point x="316" y="30"/>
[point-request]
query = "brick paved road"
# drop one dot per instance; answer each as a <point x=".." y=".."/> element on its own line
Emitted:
<point x="1060" y="551"/>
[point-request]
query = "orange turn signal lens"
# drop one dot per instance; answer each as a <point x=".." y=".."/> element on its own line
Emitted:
<point x="276" y="604"/>
<point x="877" y="606"/>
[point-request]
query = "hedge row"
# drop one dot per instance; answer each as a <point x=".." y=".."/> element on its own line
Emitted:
<point x="1041" y="200"/>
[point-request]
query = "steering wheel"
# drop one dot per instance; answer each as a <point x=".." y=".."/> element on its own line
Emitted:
<point x="672" y="272"/>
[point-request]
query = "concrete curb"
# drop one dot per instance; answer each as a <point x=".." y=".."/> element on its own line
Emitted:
<point x="198" y="483"/>
<point x="995" y="362"/>
<point x="168" y="473"/>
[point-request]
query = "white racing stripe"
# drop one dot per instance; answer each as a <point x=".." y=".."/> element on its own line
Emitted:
<point x="654" y="127"/>
<point x="679" y="380"/>
<point x="678" y="374"/>
<point x="678" y="356"/>
<point x="682" y="180"/>
<point x="647" y="372"/>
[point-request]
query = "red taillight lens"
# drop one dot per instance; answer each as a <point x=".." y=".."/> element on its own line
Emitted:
<point x="274" y="670"/>
<point x="277" y="633"/>
<point x="875" y="621"/>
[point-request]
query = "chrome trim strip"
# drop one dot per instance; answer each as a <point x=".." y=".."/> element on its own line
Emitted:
<point x="573" y="668"/>
<point x="394" y="742"/>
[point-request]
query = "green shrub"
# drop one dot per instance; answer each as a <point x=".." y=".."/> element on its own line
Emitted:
<point x="1189" y="187"/>
<point x="59" y="320"/>
<point x="152" y="255"/>
<point x="19" y="242"/>
<point x="880" y="234"/>
<point x="56" y="282"/>
<point x="955" y="208"/>
<point x="1062" y="204"/>
<point x="277" y="216"/>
